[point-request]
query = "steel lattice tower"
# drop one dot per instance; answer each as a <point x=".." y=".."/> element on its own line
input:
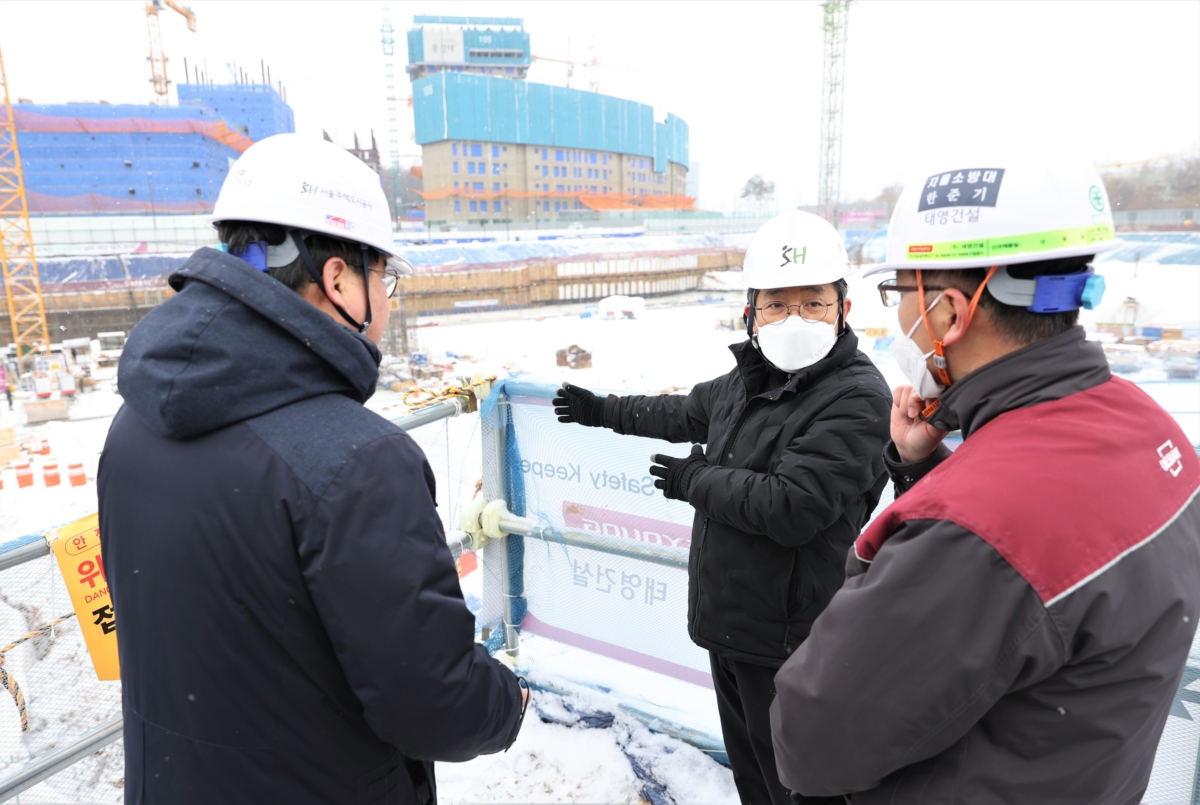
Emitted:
<point x="17" y="259"/>
<point x="389" y="66"/>
<point x="833" y="26"/>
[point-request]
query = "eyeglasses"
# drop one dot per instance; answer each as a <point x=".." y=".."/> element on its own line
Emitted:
<point x="890" y="291"/>
<point x="776" y="312"/>
<point x="391" y="279"/>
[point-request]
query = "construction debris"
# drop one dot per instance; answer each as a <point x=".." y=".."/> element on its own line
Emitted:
<point x="575" y="357"/>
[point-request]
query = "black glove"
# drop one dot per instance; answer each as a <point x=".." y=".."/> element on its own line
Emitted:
<point x="677" y="473"/>
<point x="574" y="404"/>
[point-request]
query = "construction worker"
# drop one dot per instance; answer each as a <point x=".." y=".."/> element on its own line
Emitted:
<point x="793" y="470"/>
<point x="1014" y="626"/>
<point x="290" y="619"/>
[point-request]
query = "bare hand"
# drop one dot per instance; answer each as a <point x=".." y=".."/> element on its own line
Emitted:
<point x="524" y="696"/>
<point x="914" y="438"/>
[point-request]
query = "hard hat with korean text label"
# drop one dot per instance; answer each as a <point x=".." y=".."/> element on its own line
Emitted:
<point x="793" y="249"/>
<point x="999" y="213"/>
<point x="311" y="185"/>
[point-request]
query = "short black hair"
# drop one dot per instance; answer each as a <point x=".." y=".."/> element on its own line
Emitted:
<point x="237" y="235"/>
<point x="1016" y="324"/>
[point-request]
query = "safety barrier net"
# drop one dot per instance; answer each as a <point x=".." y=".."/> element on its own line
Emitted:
<point x="599" y="619"/>
<point x="49" y="694"/>
<point x="618" y="623"/>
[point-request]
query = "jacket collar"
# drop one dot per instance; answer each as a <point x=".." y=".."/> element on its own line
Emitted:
<point x="1045" y="371"/>
<point x="759" y="377"/>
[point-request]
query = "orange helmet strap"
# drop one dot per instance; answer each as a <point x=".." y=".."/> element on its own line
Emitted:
<point x="939" y="346"/>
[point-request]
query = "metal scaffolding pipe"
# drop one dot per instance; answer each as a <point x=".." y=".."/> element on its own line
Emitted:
<point x="646" y="552"/>
<point x="48" y="766"/>
<point x="25" y="553"/>
<point x="434" y="413"/>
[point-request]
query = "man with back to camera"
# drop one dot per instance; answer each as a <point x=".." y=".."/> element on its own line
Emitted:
<point x="290" y="619"/>
<point x="794" y="469"/>
<point x="1015" y="625"/>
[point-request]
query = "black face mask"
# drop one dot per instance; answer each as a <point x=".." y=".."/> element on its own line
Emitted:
<point x="306" y="256"/>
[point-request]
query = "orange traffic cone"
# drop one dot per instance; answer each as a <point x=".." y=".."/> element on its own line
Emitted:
<point x="50" y="473"/>
<point x="24" y="475"/>
<point x="76" y="475"/>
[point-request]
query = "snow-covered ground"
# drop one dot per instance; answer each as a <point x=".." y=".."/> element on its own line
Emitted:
<point x="579" y="743"/>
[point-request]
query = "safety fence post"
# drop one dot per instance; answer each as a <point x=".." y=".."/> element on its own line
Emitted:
<point x="502" y="590"/>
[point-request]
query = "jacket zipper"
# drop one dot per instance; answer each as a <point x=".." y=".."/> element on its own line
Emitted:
<point x="737" y="427"/>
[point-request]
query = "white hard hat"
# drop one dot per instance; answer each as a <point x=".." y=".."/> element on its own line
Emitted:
<point x="300" y="182"/>
<point x="1004" y="213"/>
<point x="795" y="248"/>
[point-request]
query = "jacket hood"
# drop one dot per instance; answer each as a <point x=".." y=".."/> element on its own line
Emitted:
<point x="234" y="344"/>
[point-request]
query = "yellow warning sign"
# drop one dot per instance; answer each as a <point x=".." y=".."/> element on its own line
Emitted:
<point x="77" y="549"/>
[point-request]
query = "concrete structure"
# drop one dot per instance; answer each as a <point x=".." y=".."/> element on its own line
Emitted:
<point x="527" y="184"/>
<point x="497" y="150"/>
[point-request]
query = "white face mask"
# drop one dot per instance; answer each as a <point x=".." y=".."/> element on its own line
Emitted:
<point x="795" y="343"/>
<point x="913" y="363"/>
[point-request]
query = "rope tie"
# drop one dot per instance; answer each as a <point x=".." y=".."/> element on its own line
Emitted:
<point x="432" y="397"/>
<point x="10" y="682"/>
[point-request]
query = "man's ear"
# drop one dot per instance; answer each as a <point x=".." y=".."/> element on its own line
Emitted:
<point x="951" y="315"/>
<point x="336" y="275"/>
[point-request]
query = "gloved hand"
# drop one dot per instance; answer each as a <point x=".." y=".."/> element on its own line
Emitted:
<point x="677" y="473"/>
<point x="574" y="404"/>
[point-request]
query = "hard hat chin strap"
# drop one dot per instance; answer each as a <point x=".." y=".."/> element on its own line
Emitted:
<point x="306" y="257"/>
<point x="939" y="346"/>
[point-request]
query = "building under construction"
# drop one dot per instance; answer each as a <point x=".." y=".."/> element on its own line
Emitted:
<point x="497" y="149"/>
<point x="85" y="159"/>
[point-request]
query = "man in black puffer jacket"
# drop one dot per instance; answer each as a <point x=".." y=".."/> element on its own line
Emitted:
<point x="290" y="620"/>
<point x="792" y="473"/>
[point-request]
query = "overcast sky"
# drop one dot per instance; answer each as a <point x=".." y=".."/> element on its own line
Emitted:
<point x="1108" y="81"/>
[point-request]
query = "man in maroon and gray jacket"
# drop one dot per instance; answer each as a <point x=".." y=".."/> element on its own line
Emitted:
<point x="1014" y="627"/>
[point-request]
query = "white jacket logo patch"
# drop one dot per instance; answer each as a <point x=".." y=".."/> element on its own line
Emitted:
<point x="1170" y="459"/>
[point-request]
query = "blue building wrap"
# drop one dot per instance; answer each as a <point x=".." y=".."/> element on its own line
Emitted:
<point x="254" y="109"/>
<point x="463" y="106"/>
<point x="125" y="158"/>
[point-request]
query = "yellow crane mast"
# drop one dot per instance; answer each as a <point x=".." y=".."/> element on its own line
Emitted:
<point x="22" y="287"/>
<point x="158" y="59"/>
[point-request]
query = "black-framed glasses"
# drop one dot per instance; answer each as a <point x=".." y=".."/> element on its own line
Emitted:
<point x="890" y="291"/>
<point x="391" y="279"/>
<point x="777" y="312"/>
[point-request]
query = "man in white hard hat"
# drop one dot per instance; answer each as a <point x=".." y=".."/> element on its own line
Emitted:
<point x="290" y="619"/>
<point x="793" y="470"/>
<point x="1014" y="627"/>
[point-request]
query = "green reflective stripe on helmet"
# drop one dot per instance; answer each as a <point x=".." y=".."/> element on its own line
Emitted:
<point x="1009" y="246"/>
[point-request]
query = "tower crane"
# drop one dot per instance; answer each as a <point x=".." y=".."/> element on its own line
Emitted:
<point x="158" y="59"/>
<point x="26" y="311"/>
<point x="834" y="27"/>
<point x="570" y="65"/>
<point x="592" y="66"/>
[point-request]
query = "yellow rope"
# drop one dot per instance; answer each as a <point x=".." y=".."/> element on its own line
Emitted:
<point x="434" y="397"/>
<point x="9" y="682"/>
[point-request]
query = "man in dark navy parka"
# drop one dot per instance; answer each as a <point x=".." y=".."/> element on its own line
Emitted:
<point x="290" y="623"/>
